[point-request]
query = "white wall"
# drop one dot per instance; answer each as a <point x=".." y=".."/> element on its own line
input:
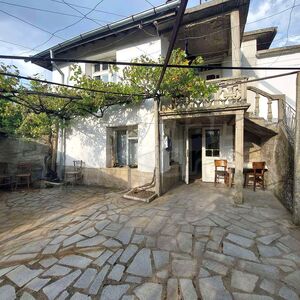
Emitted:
<point x="87" y="138"/>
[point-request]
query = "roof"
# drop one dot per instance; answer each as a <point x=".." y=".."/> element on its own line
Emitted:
<point x="264" y="37"/>
<point x="278" y="51"/>
<point x="162" y="17"/>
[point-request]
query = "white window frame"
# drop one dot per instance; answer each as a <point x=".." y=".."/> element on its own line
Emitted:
<point x="111" y="75"/>
<point x="115" y="131"/>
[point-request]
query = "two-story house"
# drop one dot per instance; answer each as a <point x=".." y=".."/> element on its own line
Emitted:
<point x="239" y="123"/>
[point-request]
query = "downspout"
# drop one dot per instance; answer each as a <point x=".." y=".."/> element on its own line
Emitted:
<point x="157" y="147"/>
<point x="62" y="152"/>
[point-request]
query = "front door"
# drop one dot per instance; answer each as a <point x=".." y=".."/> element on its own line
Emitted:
<point x="211" y="141"/>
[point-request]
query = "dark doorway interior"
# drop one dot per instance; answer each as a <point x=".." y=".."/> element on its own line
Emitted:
<point x="196" y="155"/>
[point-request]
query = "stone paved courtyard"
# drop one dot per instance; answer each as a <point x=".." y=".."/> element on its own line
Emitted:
<point x="192" y="243"/>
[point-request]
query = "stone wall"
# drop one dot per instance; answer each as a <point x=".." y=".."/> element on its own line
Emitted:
<point x="15" y="150"/>
<point x="278" y="153"/>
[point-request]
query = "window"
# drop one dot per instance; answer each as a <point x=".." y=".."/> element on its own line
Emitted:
<point x="126" y="147"/>
<point x="103" y="72"/>
<point x="212" y="76"/>
<point x="97" y="68"/>
<point x="212" y="142"/>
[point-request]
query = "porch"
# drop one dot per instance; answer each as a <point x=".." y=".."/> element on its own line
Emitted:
<point x="236" y="123"/>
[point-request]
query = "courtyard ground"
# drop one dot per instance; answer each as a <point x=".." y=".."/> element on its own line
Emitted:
<point x="192" y="243"/>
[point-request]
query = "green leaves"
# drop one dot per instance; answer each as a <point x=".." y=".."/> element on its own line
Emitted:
<point x="36" y="110"/>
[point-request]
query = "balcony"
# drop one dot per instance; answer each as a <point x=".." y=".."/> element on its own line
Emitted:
<point x="231" y="95"/>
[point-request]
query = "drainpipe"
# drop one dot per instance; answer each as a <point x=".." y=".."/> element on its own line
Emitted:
<point x="157" y="148"/>
<point x="62" y="152"/>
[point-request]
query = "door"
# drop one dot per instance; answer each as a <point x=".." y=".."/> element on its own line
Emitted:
<point x="211" y="141"/>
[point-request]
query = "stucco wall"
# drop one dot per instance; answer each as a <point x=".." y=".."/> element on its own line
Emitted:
<point x="87" y="139"/>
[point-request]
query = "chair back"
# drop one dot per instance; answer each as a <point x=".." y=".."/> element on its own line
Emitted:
<point x="259" y="167"/>
<point x="220" y="163"/>
<point x="24" y="167"/>
<point x="78" y="165"/>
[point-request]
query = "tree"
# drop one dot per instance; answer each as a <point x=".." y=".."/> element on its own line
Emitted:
<point x="38" y="111"/>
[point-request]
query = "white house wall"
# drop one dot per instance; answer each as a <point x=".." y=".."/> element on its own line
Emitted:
<point x="87" y="139"/>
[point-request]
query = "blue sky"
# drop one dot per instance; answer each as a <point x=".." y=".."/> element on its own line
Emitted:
<point x="24" y="37"/>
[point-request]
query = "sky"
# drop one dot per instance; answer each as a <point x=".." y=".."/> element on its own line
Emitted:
<point x="26" y="31"/>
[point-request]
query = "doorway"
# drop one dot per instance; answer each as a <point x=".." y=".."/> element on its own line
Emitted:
<point x="195" y="167"/>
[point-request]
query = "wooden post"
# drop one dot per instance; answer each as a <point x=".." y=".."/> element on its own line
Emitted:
<point x="157" y="148"/>
<point x="239" y="157"/>
<point x="296" y="200"/>
<point x="235" y="42"/>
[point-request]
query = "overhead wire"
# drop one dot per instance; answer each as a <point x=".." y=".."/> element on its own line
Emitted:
<point x="67" y="85"/>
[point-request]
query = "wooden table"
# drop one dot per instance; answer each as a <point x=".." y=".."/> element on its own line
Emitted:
<point x="246" y="169"/>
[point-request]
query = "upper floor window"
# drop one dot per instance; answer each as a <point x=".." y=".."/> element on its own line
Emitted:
<point x="103" y="72"/>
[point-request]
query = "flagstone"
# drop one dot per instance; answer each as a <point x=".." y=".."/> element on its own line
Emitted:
<point x="293" y="280"/>
<point x="268" y="286"/>
<point x="243" y="281"/>
<point x="26" y="296"/>
<point x="94" y="288"/>
<point x="288" y="294"/>
<point x="237" y="251"/>
<point x="128" y="253"/>
<point x="242" y="241"/>
<point x="184" y="268"/>
<point x="172" y="289"/>
<point x="185" y="242"/>
<point x="37" y="283"/>
<point x="47" y="262"/>
<point x="268" y="239"/>
<point x="187" y="289"/>
<point x="77" y="261"/>
<point x="215" y="267"/>
<point x="141" y="264"/>
<point x="149" y="291"/>
<point x="114" y="291"/>
<point x="212" y="288"/>
<point x="268" y="251"/>
<point x="94" y="241"/>
<point x="124" y="235"/>
<point x="116" y="273"/>
<point x="100" y="261"/>
<point x="80" y="296"/>
<point x="161" y="258"/>
<point x="7" y="292"/>
<point x="21" y="275"/>
<point x="56" y="270"/>
<point x="86" y="278"/>
<point x="54" y="289"/>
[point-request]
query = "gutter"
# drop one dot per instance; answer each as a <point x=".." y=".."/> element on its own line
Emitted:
<point x="111" y="28"/>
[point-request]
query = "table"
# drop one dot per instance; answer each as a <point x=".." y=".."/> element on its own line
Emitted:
<point x="247" y="168"/>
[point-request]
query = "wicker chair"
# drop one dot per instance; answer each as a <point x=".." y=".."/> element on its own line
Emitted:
<point x="221" y="171"/>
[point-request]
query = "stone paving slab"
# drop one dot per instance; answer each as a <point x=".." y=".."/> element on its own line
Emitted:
<point x="192" y="243"/>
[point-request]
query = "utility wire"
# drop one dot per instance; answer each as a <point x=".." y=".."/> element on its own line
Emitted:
<point x="137" y="64"/>
<point x="70" y="86"/>
<point x="85" y="7"/>
<point x="45" y="10"/>
<point x="68" y="26"/>
<point x="28" y="23"/>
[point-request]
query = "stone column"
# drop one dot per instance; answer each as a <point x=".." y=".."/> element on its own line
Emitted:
<point x="235" y="42"/>
<point x="296" y="208"/>
<point x="239" y="157"/>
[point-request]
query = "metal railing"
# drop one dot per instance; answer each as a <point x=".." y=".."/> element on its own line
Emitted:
<point x="289" y="120"/>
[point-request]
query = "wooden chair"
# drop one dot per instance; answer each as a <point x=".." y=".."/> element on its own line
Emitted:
<point x="5" y="178"/>
<point x="23" y="174"/>
<point x="76" y="175"/>
<point x="257" y="175"/>
<point x="221" y="171"/>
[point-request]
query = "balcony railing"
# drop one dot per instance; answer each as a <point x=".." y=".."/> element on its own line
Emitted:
<point x="231" y="93"/>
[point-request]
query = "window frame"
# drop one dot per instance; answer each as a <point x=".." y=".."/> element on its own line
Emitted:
<point x="212" y="150"/>
<point x="128" y="138"/>
<point x="97" y="75"/>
